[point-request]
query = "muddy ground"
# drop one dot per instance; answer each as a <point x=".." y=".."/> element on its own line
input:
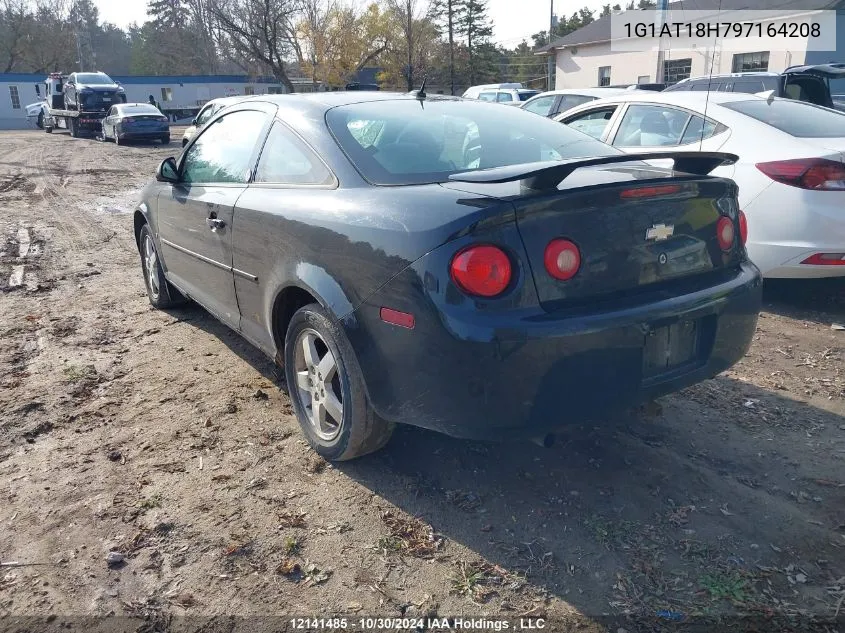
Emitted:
<point x="166" y="438"/>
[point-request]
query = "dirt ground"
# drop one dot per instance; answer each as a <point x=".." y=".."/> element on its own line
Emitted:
<point x="167" y="439"/>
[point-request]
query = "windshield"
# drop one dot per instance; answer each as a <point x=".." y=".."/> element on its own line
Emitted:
<point x="796" y="118"/>
<point x="525" y="96"/>
<point x="406" y="142"/>
<point x="93" y="79"/>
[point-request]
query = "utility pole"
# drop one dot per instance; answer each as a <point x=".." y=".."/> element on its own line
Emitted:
<point x="451" y="48"/>
<point x="662" y="7"/>
<point x="551" y="64"/>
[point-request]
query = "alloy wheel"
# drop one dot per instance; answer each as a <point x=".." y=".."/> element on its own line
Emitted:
<point x="151" y="264"/>
<point x="318" y="384"/>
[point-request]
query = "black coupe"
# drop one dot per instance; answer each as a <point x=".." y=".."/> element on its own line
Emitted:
<point x="450" y="264"/>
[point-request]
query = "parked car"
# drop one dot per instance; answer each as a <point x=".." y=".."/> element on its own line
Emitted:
<point x="790" y="172"/>
<point x="135" y="122"/>
<point x="802" y="83"/>
<point x="360" y="86"/>
<point x="650" y="86"/>
<point x="554" y="102"/>
<point x="204" y="115"/>
<point x="92" y="92"/>
<point x="509" y="96"/>
<point x="473" y="91"/>
<point x="344" y="236"/>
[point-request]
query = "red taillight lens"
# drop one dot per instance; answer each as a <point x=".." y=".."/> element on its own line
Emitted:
<point x="482" y="270"/>
<point x="807" y="173"/>
<point x="649" y="192"/>
<point x="743" y="228"/>
<point x="725" y="233"/>
<point x="826" y="259"/>
<point x="562" y="259"/>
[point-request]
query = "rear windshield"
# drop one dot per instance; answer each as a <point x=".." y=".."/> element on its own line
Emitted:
<point x="93" y="79"/>
<point x="139" y="109"/>
<point x="796" y="118"/>
<point x="525" y="96"/>
<point x="406" y="142"/>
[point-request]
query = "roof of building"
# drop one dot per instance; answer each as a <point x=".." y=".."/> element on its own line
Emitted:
<point x="599" y="30"/>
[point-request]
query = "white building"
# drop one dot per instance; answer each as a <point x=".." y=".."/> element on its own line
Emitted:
<point x="595" y="56"/>
<point x="177" y="95"/>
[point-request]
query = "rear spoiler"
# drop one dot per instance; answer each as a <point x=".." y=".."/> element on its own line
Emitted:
<point x="549" y="174"/>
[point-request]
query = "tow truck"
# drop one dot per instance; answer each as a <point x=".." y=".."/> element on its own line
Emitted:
<point x="57" y="115"/>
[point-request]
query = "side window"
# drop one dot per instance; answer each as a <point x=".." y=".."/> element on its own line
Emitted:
<point x="287" y="160"/>
<point x="487" y="96"/>
<point x="593" y="123"/>
<point x="749" y="86"/>
<point x="112" y="111"/>
<point x="699" y="130"/>
<point x="541" y="105"/>
<point x="205" y="115"/>
<point x="651" y="126"/>
<point x="504" y="96"/>
<point x="223" y="150"/>
<point x="570" y="101"/>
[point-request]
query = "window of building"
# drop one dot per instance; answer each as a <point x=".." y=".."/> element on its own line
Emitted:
<point x="604" y="76"/>
<point x="249" y="90"/>
<point x="16" y="99"/>
<point x="275" y="90"/>
<point x="676" y="69"/>
<point x="167" y="94"/>
<point x="751" y="62"/>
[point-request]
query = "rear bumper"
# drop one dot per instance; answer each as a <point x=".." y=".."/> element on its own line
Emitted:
<point x="134" y="134"/>
<point x="533" y="372"/>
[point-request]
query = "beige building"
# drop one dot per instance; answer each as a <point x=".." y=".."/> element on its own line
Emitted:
<point x="595" y="56"/>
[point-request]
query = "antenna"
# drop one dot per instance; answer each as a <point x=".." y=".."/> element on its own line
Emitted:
<point x="709" y="86"/>
<point x="421" y="91"/>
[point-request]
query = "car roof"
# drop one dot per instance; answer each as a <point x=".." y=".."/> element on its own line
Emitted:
<point x="139" y="103"/>
<point x="586" y="92"/>
<point x="675" y="98"/>
<point x="323" y="101"/>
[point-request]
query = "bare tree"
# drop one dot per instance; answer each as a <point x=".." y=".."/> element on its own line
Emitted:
<point x="408" y="14"/>
<point x="261" y="30"/>
<point x="14" y="19"/>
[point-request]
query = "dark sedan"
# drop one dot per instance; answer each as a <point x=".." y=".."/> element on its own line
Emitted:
<point x="135" y="122"/>
<point x="540" y="279"/>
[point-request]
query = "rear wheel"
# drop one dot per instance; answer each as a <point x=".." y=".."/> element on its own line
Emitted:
<point x="72" y="126"/>
<point x="117" y="140"/>
<point x="326" y="388"/>
<point x="165" y="140"/>
<point x="160" y="292"/>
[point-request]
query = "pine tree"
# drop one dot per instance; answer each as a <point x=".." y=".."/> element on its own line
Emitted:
<point x="445" y="14"/>
<point x="474" y="24"/>
<point x="167" y="14"/>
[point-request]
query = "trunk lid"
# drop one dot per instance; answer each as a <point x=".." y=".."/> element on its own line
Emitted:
<point x="662" y="233"/>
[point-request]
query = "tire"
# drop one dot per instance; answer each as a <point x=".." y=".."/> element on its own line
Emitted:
<point x="360" y="430"/>
<point x="184" y="142"/>
<point x="165" y="140"/>
<point x="40" y="121"/>
<point x="71" y="124"/>
<point x="49" y="129"/>
<point x="160" y="292"/>
<point x="117" y="140"/>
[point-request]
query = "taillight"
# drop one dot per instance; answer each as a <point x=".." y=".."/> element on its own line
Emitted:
<point x="481" y="270"/>
<point x="826" y="259"/>
<point x="562" y="259"/>
<point x="743" y="228"/>
<point x="807" y="173"/>
<point x="127" y="119"/>
<point x="162" y="118"/>
<point x="725" y="233"/>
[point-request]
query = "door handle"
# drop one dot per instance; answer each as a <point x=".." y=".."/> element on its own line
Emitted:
<point x="215" y="223"/>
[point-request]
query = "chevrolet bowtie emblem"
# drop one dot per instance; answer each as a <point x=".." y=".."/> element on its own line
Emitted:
<point x="659" y="232"/>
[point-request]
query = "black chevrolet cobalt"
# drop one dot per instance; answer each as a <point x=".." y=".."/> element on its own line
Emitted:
<point x="450" y="264"/>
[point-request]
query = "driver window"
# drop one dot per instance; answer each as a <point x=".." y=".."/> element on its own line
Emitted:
<point x="205" y="115"/>
<point x="223" y="151"/>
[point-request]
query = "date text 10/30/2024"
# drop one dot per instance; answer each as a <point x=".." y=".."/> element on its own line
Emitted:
<point x="411" y="624"/>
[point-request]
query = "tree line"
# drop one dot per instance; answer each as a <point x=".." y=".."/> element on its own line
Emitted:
<point x="325" y="41"/>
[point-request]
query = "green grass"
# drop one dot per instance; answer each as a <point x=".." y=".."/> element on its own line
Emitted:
<point x="726" y="585"/>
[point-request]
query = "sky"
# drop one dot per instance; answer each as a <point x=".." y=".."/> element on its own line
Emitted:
<point x="513" y="20"/>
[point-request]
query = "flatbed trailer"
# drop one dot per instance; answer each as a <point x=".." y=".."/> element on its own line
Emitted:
<point x="77" y="123"/>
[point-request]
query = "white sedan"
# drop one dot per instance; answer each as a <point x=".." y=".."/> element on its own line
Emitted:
<point x="790" y="172"/>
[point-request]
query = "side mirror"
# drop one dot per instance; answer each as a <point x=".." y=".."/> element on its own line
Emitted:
<point x="167" y="171"/>
<point x="193" y="121"/>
